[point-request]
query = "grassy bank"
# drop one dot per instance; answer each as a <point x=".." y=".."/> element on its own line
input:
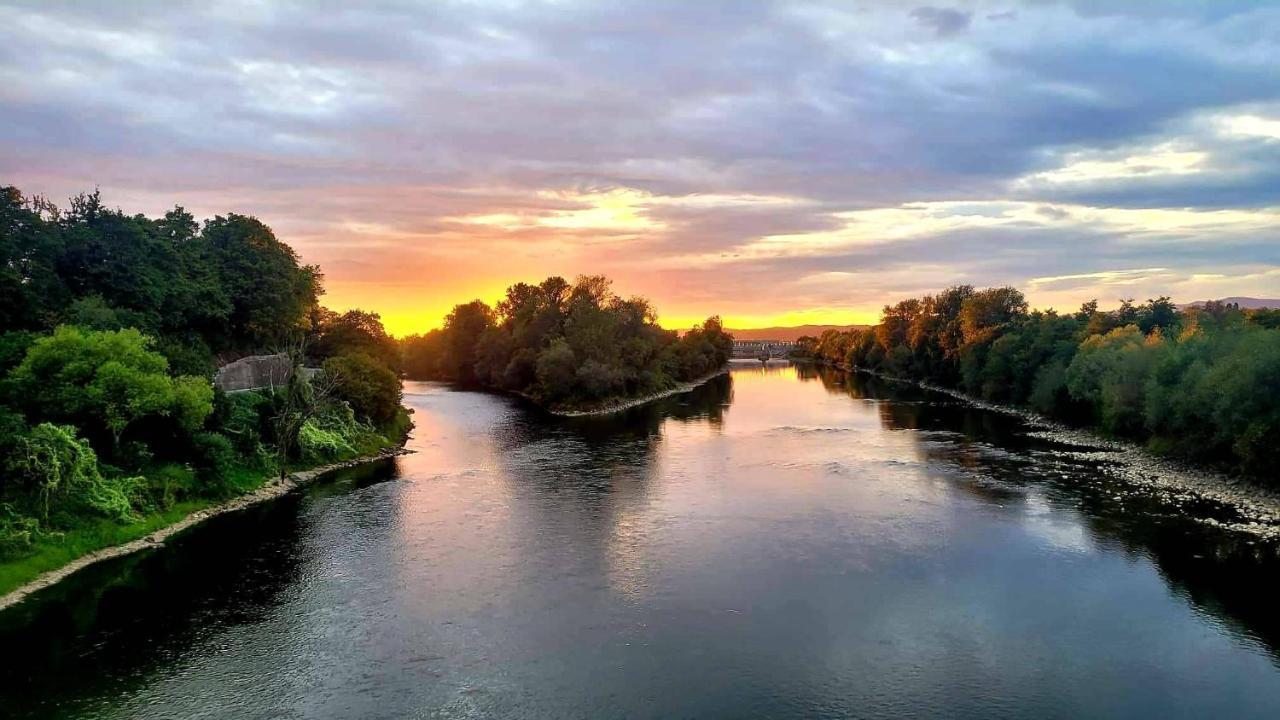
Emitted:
<point x="53" y="553"/>
<point x="91" y="534"/>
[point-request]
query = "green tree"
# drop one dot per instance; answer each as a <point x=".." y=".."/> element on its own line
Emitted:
<point x="354" y="331"/>
<point x="463" y="329"/>
<point x="557" y="370"/>
<point x="31" y="290"/>
<point x="369" y="387"/>
<point x="985" y="313"/>
<point x="271" y="294"/>
<point x="1110" y="374"/>
<point x="106" y="380"/>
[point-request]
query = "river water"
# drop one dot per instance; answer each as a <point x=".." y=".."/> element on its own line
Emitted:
<point x="782" y="542"/>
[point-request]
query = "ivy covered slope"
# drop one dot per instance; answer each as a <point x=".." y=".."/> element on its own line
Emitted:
<point x="566" y="347"/>
<point x="110" y="426"/>
<point x="1200" y="383"/>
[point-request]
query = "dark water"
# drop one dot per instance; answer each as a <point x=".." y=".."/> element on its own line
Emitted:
<point x="781" y="543"/>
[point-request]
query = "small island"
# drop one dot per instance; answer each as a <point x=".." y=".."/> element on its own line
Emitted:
<point x="570" y="348"/>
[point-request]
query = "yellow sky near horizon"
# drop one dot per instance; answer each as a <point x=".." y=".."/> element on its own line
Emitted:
<point x="409" y="311"/>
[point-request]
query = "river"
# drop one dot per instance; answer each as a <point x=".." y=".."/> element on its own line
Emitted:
<point x="782" y="542"/>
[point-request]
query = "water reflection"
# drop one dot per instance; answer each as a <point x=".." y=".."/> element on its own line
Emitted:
<point x="113" y="626"/>
<point x="785" y="541"/>
<point x="592" y="478"/>
<point x="1232" y="578"/>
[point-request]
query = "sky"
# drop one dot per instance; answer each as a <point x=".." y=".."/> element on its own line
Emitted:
<point x="771" y="162"/>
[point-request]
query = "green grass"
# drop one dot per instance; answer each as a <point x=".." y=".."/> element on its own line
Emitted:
<point x="53" y="553"/>
<point x="90" y="534"/>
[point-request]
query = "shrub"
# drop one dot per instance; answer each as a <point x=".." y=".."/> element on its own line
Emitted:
<point x="369" y="387"/>
<point x="107" y="380"/>
<point x="317" y="444"/>
<point x="18" y="533"/>
<point x="214" y="457"/>
<point x="169" y="483"/>
<point x="557" y="368"/>
<point x="244" y="418"/>
<point x="59" y="472"/>
<point x="598" y="380"/>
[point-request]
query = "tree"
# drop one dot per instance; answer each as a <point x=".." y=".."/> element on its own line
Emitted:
<point x="557" y="370"/>
<point x="565" y="345"/>
<point x="354" y="331"/>
<point x="1109" y="372"/>
<point x="422" y="356"/>
<point x="985" y="313"/>
<point x="462" y="331"/>
<point x="31" y="290"/>
<point x="106" y="380"/>
<point x="369" y="387"/>
<point x="271" y="294"/>
<point x="1157" y="314"/>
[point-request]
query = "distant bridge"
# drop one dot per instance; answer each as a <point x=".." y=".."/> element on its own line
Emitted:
<point x="763" y="350"/>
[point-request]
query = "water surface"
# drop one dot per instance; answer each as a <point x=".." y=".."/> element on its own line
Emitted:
<point x="784" y="542"/>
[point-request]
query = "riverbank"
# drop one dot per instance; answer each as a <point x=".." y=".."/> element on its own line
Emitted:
<point x="1247" y="507"/>
<point x="610" y="407"/>
<point x="152" y="531"/>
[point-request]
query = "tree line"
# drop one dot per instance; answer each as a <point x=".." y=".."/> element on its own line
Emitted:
<point x="1200" y="383"/>
<point x="565" y="345"/>
<point x="111" y="327"/>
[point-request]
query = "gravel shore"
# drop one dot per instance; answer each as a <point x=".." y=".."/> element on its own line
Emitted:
<point x="619" y="406"/>
<point x="1251" y="508"/>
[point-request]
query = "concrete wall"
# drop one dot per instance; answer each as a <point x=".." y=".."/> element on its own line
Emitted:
<point x="253" y="373"/>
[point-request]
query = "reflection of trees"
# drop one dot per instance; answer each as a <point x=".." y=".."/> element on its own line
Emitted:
<point x="765" y="369"/>
<point x="111" y="626"/>
<point x="1224" y="574"/>
<point x="705" y="403"/>
<point x="590" y="477"/>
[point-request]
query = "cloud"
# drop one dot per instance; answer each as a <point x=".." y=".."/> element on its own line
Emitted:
<point x="701" y="152"/>
<point x="944" y="22"/>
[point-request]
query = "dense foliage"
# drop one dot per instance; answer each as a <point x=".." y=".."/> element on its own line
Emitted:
<point x="225" y="287"/>
<point x="565" y="345"/>
<point x="1201" y="383"/>
<point x="110" y="329"/>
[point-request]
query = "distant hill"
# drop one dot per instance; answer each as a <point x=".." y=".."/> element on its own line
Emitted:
<point x="1245" y="303"/>
<point x="786" y="333"/>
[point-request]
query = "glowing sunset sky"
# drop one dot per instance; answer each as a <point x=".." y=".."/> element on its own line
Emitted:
<point x="778" y="163"/>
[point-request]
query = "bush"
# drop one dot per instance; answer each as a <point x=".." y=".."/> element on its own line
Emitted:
<point x="214" y="458"/>
<point x="334" y="434"/>
<point x="369" y="387"/>
<point x="1110" y="373"/>
<point x="18" y="533"/>
<point x="106" y="380"/>
<point x="557" y="369"/>
<point x="598" y="380"/>
<point x="58" y="472"/>
<point x="319" y="444"/>
<point x="244" y="417"/>
<point x="169" y="483"/>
